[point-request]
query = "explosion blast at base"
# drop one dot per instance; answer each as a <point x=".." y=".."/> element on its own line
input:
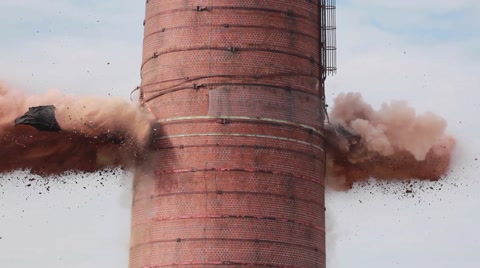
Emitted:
<point x="57" y="133"/>
<point x="90" y="134"/>
<point x="387" y="144"/>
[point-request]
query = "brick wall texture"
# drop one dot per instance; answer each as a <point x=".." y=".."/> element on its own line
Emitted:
<point x="235" y="173"/>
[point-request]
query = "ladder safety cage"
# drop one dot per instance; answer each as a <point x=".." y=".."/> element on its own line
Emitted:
<point x="327" y="34"/>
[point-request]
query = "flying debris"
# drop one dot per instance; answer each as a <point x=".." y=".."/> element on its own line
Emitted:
<point x="341" y="130"/>
<point x="40" y="117"/>
<point x="340" y="138"/>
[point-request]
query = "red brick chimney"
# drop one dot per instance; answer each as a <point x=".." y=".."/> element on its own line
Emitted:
<point x="235" y="173"/>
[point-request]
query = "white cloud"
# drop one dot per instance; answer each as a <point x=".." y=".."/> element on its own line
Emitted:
<point x="81" y="49"/>
<point x="420" y="6"/>
<point x="74" y="65"/>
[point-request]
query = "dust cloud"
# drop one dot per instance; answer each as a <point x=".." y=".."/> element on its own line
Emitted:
<point x="392" y="143"/>
<point x="96" y="133"/>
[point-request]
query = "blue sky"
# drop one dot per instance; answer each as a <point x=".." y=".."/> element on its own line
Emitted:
<point x="76" y="39"/>
<point x="424" y="51"/>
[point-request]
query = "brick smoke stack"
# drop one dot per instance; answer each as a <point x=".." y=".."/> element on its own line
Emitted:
<point x="235" y="172"/>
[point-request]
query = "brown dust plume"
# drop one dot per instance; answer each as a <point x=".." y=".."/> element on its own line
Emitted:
<point x="96" y="133"/>
<point x="392" y="143"/>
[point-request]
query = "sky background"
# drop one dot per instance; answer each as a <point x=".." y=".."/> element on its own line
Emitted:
<point x="425" y="51"/>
